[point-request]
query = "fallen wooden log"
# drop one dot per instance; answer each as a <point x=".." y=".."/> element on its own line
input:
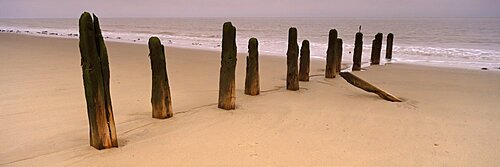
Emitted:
<point x="360" y="83"/>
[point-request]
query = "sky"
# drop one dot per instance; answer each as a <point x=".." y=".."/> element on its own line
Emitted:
<point x="249" y="8"/>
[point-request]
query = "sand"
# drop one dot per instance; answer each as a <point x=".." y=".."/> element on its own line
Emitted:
<point x="450" y="117"/>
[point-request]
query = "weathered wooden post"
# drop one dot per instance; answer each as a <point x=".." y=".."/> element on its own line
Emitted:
<point x="388" y="50"/>
<point x="376" y="49"/>
<point x="227" y="89"/>
<point x="252" y="86"/>
<point x="160" y="92"/>
<point x="338" y="56"/>
<point x="358" y="51"/>
<point x="330" y="71"/>
<point x="305" y="58"/>
<point x="292" y="77"/>
<point x="95" y="69"/>
<point x="362" y="84"/>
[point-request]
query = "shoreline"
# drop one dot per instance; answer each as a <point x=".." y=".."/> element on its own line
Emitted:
<point x="434" y="62"/>
<point x="142" y="43"/>
<point x="346" y="64"/>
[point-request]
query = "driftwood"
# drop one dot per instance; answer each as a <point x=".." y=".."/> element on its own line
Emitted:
<point x="95" y="69"/>
<point x="227" y="89"/>
<point x="305" y="58"/>
<point x="338" y="55"/>
<point x="292" y="55"/>
<point x="330" y="70"/>
<point x="252" y="74"/>
<point x="358" y="51"/>
<point x="160" y="90"/>
<point x="376" y="49"/>
<point x="388" y="50"/>
<point x="360" y="83"/>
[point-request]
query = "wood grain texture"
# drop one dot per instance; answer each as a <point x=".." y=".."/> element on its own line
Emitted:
<point x="362" y="84"/>
<point x="95" y="69"/>
<point x="358" y="51"/>
<point x="252" y="86"/>
<point x="338" y="55"/>
<point x="161" y="99"/>
<point x="227" y="90"/>
<point x="292" y="77"/>
<point x="305" y="58"/>
<point x="330" y="71"/>
<point x="376" y="49"/>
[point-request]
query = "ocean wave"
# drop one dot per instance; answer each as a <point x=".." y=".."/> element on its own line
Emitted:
<point x="449" y="53"/>
<point x="411" y="49"/>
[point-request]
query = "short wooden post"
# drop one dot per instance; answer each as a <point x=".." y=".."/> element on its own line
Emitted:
<point x="305" y="58"/>
<point x="227" y="89"/>
<point x="252" y="86"/>
<point x="338" y="56"/>
<point x="292" y="77"/>
<point x="376" y="49"/>
<point x="358" y="51"/>
<point x="95" y="69"/>
<point x="330" y="71"/>
<point x="388" y="50"/>
<point x="160" y="92"/>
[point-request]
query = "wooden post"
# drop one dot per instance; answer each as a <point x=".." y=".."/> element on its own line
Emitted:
<point x="95" y="69"/>
<point x="338" y="56"/>
<point x="227" y="89"/>
<point x="160" y="92"/>
<point x="292" y="77"/>
<point x="305" y="58"/>
<point x="252" y="78"/>
<point x="376" y="49"/>
<point x="330" y="71"/>
<point x="388" y="50"/>
<point x="358" y="51"/>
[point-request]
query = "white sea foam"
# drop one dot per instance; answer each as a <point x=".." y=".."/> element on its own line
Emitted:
<point x="440" y="42"/>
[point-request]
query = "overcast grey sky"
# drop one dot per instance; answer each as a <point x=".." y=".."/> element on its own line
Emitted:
<point x="250" y="8"/>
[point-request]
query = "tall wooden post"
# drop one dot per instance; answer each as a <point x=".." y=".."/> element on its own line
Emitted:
<point x="227" y="89"/>
<point x="160" y="92"/>
<point x="358" y="51"/>
<point x="292" y="77"/>
<point x="376" y="49"/>
<point x="330" y="71"/>
<point x="305" y="58"/>
<point x="338" y="56"/>
<point x="252" y="86"/>
<point x="388" y="50"/>
<point x="95" y="69"/>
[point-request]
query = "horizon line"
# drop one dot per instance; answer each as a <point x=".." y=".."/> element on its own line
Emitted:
<point x="215" y="17"/>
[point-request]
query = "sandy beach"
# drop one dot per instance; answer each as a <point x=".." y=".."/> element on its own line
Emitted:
<point x="450" y="117"/>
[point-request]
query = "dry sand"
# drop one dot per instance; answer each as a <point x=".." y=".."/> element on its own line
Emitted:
<point x="451" y="117"/>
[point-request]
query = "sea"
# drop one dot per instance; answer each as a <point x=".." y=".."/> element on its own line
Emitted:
<point x="472" y="43"/>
